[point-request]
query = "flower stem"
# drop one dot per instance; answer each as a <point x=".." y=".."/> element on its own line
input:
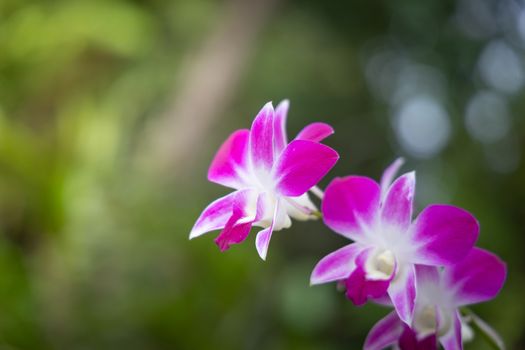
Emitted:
<point x="317" y="192"/>
<point x="489" y="335"/>
<point x="313" y="213"/>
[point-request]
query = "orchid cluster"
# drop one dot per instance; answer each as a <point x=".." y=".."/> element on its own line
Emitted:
<point x="427" y="269"/>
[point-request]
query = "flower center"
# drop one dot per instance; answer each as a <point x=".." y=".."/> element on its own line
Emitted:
<point x="426" y="321"/>
<point x="444" y="326"/>
<point x="381" y="265"/>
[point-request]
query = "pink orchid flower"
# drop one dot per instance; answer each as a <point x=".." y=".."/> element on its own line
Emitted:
<point x="440" y="292"/>
<point x="271" y="178"/>
<point x="387" y="244"/>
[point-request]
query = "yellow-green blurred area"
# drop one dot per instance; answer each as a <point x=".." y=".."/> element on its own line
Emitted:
<point x="111" y="111"/>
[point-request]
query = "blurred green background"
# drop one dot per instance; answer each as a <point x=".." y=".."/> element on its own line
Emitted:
<point x="111" y="111"/>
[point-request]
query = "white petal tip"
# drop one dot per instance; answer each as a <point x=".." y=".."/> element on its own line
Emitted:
<point x="262" y="242"/>
<point x="411" y="176"/>
<point x="284" y="103"/>
<point x="400" y="161"/>
<point x="262" y="255"/>
<point x="196" y="233"/>
<point x="317" y="279"/>
<point x="268" y="105"/>
<point x="261" y="250"/>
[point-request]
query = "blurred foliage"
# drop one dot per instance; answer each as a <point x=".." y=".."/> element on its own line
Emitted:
<point x="93" y="247"/>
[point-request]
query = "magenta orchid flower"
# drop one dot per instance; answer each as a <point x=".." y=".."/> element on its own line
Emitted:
<point x="440" y="292"/>
<point x="271" y="178"/>
<point x="387" y="245"/>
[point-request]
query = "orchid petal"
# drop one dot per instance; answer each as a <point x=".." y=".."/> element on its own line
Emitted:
<point x="477" y="278"/>
<point x="383" y="300"/>
<point x="262" y="241"/>
<point x="279" y="128"/>
<point x="302" y="165"/>
<point x="452" y="339"/>
<point x="359" y="287"/>
<point x="384" y="333"/>
<point x="234" y="232"/>
<point x="402" y="291"/>
<point x="427" y="277"/>
<point x="389" y="174"/>
<point x="315" y="132"/>
<point x="349" y="203"/>
<point x="397" y="204"/>
<point x="217" y="214"/>
<point x="231" y="160"/>
<point x="261" y="138"/>
<point x="244" y="213"/>
<point x="335" y="266"/>
<point x="444" y="235"/>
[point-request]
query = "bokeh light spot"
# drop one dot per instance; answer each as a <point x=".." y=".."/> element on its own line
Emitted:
<point x="422" y="126"/>
<point x="487" y="117"/>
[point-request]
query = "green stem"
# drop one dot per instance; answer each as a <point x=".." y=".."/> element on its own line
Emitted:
<point x="317" y="214"/>
<point x="314" y="213"/>
<point x="488" y="334"/>
<point x="317" y="192"/>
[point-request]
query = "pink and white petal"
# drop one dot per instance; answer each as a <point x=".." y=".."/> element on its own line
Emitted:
<point x="261" y="138"/>
<point x="477" y="278"/>
<point x="231" y="161"/>
<point x="452" y="339"/>
<point x="443" y="235"/>
<point x="427" y="277"/>
<point x="402" y="292"/>
<point x="315" y="132"/>
<point x="233" y="233"/>
<point x="301" y="166"/>
<point x="280" y="215"/>
<point x="384" y="333"/>
<point x="244" y="213"/>
<point x="216" y="215"/>
<point x="383" y="300"/>
<point x="397" y="205"/>
<point x="262" y="241"/>
<point x="389" y="174"/>
<point x="349" y="203"/>
<point x="335" y="266"/>
<point x="265" y="210"/>
<point x="279" y="128"/>
<point x="359" y="287"/>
